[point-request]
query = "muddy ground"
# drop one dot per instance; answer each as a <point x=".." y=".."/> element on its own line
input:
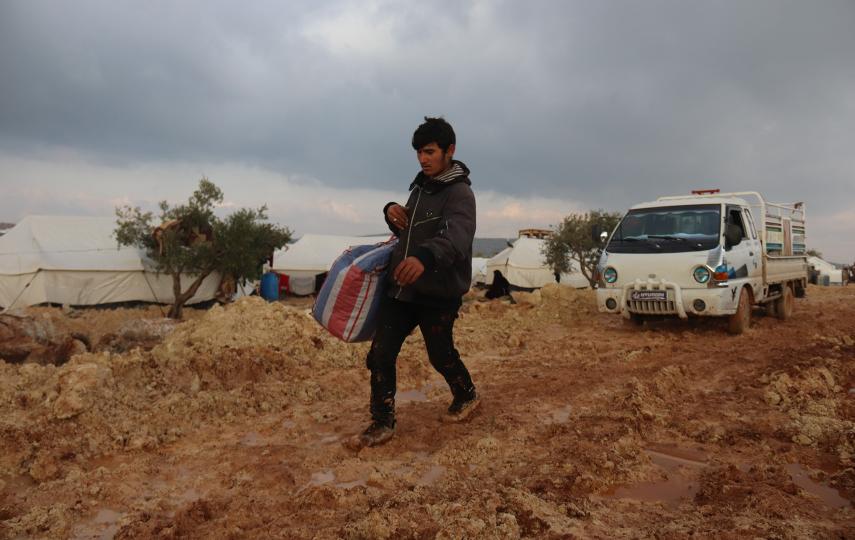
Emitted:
<point x="232" y="425"/>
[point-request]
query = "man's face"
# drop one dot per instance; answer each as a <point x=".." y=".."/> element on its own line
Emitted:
<point x="433" y="160"/>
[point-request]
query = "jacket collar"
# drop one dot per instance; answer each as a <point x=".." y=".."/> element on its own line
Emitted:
<point x="432" y="185"/>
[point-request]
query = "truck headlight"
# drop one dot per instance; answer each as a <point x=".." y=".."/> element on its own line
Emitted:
<point x="701" y="274"/>
<point x="610" y="275"/>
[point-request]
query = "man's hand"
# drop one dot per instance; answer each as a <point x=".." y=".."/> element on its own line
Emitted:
<point x="408" y="271"/>
<point x="397" y="214"/>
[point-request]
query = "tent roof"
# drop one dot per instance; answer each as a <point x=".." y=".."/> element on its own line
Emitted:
<point x="65" y="243"/>
<point x="315" y="253"/>
<point x="821" y="263"/>
<point x="525" y="253"/>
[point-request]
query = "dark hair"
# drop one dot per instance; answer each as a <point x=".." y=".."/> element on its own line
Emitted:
<point x="434" y="130"/>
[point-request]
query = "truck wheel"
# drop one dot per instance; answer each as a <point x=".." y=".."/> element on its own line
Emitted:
<point x="741" y="320"/>
<point x="784" y="304"/>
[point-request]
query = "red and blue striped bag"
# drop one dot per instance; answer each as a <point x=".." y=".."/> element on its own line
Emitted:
<point x="348" y="301"/>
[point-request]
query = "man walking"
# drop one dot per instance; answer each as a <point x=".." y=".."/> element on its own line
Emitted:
<point x="431" y="270"/>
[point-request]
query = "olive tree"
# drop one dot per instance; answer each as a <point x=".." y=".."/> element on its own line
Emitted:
<point x="192" y="241"/>
<point x="575" y="242"/>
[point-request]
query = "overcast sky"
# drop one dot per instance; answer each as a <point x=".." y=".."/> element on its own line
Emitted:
<point x="309" y="106"/>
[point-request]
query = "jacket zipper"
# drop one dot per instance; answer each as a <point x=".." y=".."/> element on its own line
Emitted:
<point x="422" y="222"/>
<point x="409" y="234"/>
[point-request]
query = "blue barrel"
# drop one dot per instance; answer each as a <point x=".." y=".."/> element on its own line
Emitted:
<point x="270" y="286"/>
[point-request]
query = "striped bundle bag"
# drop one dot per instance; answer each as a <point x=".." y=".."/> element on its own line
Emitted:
<point x="349" y="298"/>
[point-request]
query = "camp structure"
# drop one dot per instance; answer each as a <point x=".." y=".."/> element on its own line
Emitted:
<point x="305" y="261"/>
<point x="523" y="265"/>
<point x="826" y="273"/>
<point x="77" y="261"/>
<point x="479" y="269"/>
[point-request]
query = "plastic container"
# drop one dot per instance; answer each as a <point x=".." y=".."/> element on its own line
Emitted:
<point x="270" y="286"/>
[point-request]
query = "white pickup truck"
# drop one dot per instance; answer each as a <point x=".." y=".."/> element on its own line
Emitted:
<point x="706" y="254"/>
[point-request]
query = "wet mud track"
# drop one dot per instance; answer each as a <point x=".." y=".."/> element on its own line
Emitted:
<point x="588" y="428"/>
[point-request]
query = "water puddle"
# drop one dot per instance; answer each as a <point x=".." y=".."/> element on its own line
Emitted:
<point x="253" y="439"/>
<point x="410" y="396"/>
<point x="419" y="395"/>
<point x="431" y="476"/>
<point x="351" y="484"/>
<point x="320" y="478"/>
<point x="189" y="496"/>
<point x="103" y="526"/>
<point x="680" y="469"/>
<point x="327" y="477"/>
<point x="828" y="495"/>
<point x="324" y="438"/>
<point x="560" y="416"/>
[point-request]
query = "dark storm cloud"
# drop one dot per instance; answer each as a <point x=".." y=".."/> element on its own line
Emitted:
<point x="604" y="102"/>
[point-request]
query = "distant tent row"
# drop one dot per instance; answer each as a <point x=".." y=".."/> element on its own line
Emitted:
<point x="77" y="261"/>
<point x="312" y="256"/>
<point x="828" y="274"/>
<point x="524" y="267"/>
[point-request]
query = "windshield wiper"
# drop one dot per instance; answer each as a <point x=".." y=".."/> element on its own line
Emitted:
<point x="666" y="237"/>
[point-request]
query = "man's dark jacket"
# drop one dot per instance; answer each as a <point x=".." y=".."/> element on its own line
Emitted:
<point x="440" y="232"/>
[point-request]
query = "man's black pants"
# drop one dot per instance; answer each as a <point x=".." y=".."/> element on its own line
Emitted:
<point x="396" y="320"/>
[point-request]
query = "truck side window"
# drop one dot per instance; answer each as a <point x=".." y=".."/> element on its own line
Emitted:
<point x="734" y="228"/>
<point x="735" y="217"/>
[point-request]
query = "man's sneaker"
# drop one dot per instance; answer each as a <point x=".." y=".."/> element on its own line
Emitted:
<point x="462" y="408"/>
<point x="374" y="435"/>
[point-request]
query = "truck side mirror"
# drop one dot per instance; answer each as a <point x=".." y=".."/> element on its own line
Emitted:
<point x="598" y="233"/>
<point x="732" y="235"/>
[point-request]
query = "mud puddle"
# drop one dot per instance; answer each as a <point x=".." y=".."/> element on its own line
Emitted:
<point x="828" y="495"/>
<point x="679" y="469"/>
<point x="328" y="477"/>
<point x="103" y="526"/>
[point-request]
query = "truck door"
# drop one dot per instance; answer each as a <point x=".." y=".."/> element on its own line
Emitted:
<point x="755" y="269"/>
<point x="740" y="255"/>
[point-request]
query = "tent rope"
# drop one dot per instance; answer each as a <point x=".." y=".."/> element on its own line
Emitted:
<point x="7" y="308"/>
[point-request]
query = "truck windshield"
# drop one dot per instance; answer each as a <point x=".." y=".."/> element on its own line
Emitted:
<point x="668" y="229"/>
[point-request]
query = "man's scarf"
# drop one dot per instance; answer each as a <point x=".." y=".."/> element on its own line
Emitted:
<point x="450" y="173"/>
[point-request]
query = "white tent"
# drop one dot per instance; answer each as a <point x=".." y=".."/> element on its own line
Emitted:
<point x="314" y="254"/>
<point x="825" y="268"/>
<point x="76" y="261"/>
<point x="479" y="269"/>
<point x="523" y="266"/>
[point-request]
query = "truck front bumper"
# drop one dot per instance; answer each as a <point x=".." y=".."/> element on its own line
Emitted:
<point x="680" y="302"/>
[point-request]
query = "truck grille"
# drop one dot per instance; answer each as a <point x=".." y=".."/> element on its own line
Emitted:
<point x="651" y="307"/>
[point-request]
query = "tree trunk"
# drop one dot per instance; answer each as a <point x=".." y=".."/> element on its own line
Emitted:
<point x="588" y="273"/>
<point x="177" y="308"/>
